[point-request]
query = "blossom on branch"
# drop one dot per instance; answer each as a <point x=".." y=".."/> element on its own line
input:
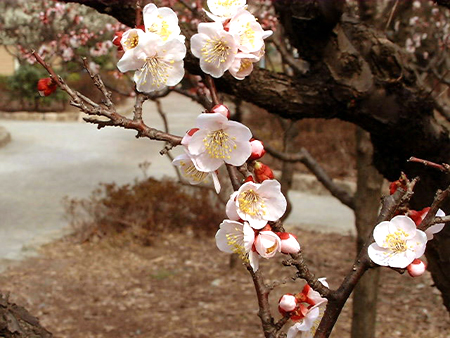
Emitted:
<point x="46" y="86"/>
<point x="157" y="63"/>
<point x="221" y="10"/>
<point x="215" y="47"/>
<point x="155" y="52"/>
<point x="306" y="310"/>
<point x="218" y="141"/>
<point x="192" y="174"/>
<point x="257" y="203"/>
<point x="161" y="21"/>
<point x="397" y="242"/>
<point x="237" y="237"/>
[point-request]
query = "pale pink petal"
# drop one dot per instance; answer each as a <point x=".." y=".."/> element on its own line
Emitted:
<point x="231" y="208"/>
<point x="403" y="223"/>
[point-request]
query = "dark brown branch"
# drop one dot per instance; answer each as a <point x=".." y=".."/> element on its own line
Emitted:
<point x="303" y="156"/>
<point x="338" y="298"/>
<point x="440" y="197"/>
<point x="108" y="110"/>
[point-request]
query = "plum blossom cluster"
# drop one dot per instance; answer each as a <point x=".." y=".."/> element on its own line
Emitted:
<point x="155" y="52"/>
<point x="305" y="309"/>
<point x="234" y="41"/>
<point x="398" y="242"/>
<point x="247" y="231"/>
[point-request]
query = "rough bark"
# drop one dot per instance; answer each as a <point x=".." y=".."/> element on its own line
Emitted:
<point x="357" y="75"/>
<point x="367" y="201"/>
<point x="16" y="322"/>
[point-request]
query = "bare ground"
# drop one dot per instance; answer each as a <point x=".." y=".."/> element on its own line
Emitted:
<point x="182" y="286"/>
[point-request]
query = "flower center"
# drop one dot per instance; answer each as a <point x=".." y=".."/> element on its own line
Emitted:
<point x="236" y="242"/>
<point x="245" y="64"/>
<point x="397" y="242"/>
<point x="252" y="204"/>
<point x="215" y="50"/>
<point x="161" y="28"/>
<point x="156" y="69"/>
<point x="248" y="36"/>
<point x="131" y="42"/>
<point x="189" y="170"/>
<point x="219" y="144"/>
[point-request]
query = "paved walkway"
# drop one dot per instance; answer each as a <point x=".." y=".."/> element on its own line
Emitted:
<point x="46" y="161"/>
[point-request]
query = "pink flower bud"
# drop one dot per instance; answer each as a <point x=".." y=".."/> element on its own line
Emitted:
<point x="289" y="243"/>
<point x="263" y="172"/>
<point x="222" y="109"/>
<point x="258" y="150"/>
<point x="287" y="303"/>
<point x="416" y="268"/>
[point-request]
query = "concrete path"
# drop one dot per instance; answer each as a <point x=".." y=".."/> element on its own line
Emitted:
<point x="46" y="161"/>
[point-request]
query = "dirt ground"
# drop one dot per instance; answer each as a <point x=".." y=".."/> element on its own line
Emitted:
<point x="182" y="286"/>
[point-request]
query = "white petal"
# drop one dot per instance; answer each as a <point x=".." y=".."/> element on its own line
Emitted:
<point x="419" y="243"/>
<point x="195" y="145"/>
<point x="211" y="121"/>
<point x="378" y="254"/>
<point x="380" y="232"/>
<point x="253" y="258"/>
<point x="216" y="182"/>
<point x="404" y="223"/>
<point x="129" y="61"/>
<point x="205" y="162"/>
<point x="231" y="208"/>
<point x="402" y="260"/>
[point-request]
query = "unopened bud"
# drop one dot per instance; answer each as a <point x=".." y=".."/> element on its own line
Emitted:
<point x="416" y="268"/>
<point x="289" y="243"/>
<point x="287" y="303"/>
<point x="46" y="86"/>
<point x="263" y="172"/>
<point x="258" y="150"/>
<point x="222" y="109"/>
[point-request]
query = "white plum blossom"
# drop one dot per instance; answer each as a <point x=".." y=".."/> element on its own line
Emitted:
<point x="192" y="174"/>
<point x="248" y="30"/>
<point x="242" y="65"/>
<point x="157" y="63"/>
<point x="305" y="325"/>
<point x="215" y="47"/>
<point x="397" y="242"/>
<point x="237" y="237"/>
<point x="161" y="21"/>
<point x="257" y="203"/>
<point x="221" y="10"/>
<point x="308" y="312"/>
<point x="218" y="141"/>
<point x="267" y="244"/>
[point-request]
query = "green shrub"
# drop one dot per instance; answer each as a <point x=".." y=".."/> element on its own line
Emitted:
<point x="145" y="209"/>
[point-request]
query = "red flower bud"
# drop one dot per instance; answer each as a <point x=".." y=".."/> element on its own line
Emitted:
<point x="263" y="172"/>
<point x="287" y="303"/>
<point x="400" y="183"/>
<point x="46" y="86"/>
<point x="258" y="150"/>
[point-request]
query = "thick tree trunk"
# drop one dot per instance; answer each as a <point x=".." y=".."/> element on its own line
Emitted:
<point x="367" y="202"/>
